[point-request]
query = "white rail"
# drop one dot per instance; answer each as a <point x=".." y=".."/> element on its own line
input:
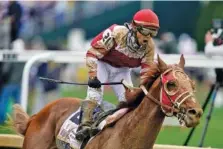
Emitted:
<point x="25" y="76"/>
<point x="200" y="60"/>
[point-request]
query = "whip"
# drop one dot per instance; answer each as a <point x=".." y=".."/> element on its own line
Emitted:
<point x="76" y="83"/>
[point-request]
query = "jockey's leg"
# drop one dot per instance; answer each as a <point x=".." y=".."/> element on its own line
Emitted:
<point x="87" y="109"/>
<point x="116" y="75"/>
<point x="93" y="99"/>
<point x="123" y="73"/>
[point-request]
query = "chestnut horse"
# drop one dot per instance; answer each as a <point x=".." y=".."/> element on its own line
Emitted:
<point x="167" y="91"/>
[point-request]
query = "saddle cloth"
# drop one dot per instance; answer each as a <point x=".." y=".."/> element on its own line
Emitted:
<point x="66" y="137"/>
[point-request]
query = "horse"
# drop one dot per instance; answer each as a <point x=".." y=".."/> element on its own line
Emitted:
<point x="166" y="91"/>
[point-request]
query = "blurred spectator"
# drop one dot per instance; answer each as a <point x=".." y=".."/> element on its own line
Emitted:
<point x="14" y="12"/>
<point x="11" y="73"/>
<point x="4" y="72"/>
<point x="187" y="45"/>
<point x="11" y="86"/>
<point x="168" y="43"/>
<point x="210" y="48"/>
<point x="46" y="91"/>
<point x="45" y="16"/>
<point x="60" y="9"/>
<point x="214" y="47"/>
<point x="31" y="24"/>
<point x="11" y="76"/>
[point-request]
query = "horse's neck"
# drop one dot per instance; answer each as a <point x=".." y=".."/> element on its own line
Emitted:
<point x="146" y="120"/>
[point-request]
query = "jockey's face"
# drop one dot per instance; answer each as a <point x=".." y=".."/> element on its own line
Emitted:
<point x="142" y="39"/>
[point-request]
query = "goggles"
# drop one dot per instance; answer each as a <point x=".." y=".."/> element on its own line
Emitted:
<point x="147" y="31"/>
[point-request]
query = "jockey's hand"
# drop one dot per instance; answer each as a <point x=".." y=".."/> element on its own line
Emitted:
<point x="94" y="82"/>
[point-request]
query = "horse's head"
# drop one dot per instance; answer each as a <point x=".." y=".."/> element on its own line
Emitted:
<point x="177" y="94"/>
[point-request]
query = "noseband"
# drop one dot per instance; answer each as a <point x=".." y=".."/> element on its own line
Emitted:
<point x="171" y="101"/>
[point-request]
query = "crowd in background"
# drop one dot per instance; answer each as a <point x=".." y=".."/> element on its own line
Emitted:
<point x="47" y="15"/>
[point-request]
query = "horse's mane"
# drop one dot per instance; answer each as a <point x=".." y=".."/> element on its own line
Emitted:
<point x="148" y="78"/>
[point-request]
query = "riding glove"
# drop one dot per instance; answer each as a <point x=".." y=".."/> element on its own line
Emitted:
<point x="94" y="82"/>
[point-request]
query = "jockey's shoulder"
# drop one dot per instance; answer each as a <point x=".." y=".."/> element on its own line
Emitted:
<point x="115" y="29"/>
<point x="119" y="33"/>
<point x="119" y="30"/>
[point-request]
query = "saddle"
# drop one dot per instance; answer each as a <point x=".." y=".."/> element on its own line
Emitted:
<point x="98" y="118"/>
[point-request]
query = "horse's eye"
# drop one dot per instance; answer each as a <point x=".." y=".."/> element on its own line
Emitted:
<point x="171" y="85"/>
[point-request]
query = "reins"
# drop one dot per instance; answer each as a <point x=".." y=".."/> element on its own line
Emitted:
<point x="149" y="96"/>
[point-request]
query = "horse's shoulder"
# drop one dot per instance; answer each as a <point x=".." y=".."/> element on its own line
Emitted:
<point x="133" y="95"/>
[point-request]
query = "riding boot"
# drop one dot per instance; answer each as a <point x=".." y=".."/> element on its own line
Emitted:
<point x="86" y="119"/>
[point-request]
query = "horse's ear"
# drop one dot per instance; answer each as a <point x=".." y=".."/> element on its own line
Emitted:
<point x="162" y="64"/>
<point x="182" y="61"/>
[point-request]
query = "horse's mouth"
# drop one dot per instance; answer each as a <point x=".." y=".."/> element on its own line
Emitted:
<point x="191" y="121"/>
<point x="188" y="120"/>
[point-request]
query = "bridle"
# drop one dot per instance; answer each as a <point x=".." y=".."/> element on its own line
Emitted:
<point x="175" y="98"/>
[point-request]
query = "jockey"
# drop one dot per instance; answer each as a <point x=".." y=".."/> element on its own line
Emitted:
<point x="112" y="54"/>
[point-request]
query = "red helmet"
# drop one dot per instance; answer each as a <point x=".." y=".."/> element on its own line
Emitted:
<point x="146" y="18"/>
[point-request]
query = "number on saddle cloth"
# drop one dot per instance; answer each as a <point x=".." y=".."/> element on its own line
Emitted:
<point x="76" y="118"/>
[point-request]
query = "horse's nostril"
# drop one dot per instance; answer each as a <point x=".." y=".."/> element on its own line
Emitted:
<point x="196" y="112"/>
<point x="192" y="111"/>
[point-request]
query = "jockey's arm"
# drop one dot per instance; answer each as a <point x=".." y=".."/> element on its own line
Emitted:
<point x="100" y="46"/>
<point x="92" y="57"/>
<point x="147" y="61"/>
